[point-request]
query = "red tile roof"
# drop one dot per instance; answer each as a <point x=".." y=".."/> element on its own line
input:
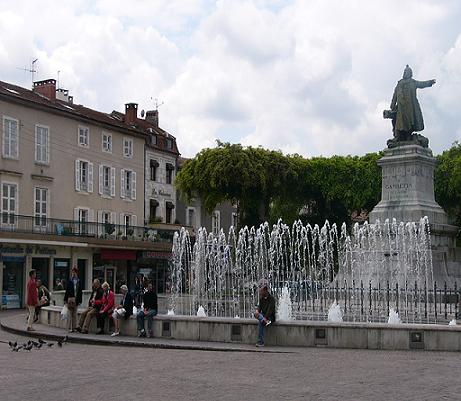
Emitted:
<point x="115" y="119"/>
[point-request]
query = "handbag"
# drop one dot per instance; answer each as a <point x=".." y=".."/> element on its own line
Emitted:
<point x="64" y="312"/>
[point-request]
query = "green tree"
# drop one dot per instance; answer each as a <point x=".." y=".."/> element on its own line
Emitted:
<point x="448" y="182"/>
<point x="243" y="175"/>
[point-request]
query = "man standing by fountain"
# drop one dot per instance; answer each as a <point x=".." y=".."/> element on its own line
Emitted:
<point x="265" y="312"/>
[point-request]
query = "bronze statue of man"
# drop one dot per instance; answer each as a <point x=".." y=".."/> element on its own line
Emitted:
<point x="405" y="110"/>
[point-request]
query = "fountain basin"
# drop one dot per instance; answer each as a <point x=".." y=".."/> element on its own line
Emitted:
<point x="383" y="336"/>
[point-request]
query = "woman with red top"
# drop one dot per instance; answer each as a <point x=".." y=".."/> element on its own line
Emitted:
<point x="32" y="299"/>
<point x="108" y="303"/>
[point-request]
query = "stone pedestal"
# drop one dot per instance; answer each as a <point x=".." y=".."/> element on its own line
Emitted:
<point x="408" y="195"/>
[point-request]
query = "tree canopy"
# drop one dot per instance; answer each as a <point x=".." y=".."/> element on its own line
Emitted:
<point x="448" y="182"/>
<point x="268" y="185"/>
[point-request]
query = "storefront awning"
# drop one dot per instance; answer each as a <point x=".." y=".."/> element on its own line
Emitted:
<point x="118" y="254"/>
<point x="169" y="205"/>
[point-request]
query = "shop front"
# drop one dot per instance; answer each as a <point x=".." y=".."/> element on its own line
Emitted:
<point x="154" y="265"/>
<point x="52" y="265"/>
<point x="114" y="266"/>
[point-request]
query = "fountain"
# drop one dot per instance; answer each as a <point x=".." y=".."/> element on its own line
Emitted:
<point x="284" y="309"/>
<point x="373" y="268"/>
<point x="334" y="313"/>
<point x="393" y="317"/>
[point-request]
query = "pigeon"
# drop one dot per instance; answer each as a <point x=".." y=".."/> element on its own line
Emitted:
<point x="28" y="347"/>
<point x="35" y="343"/>
<point x="60" y="342"/>
<point x="50" y="344"/>
<point x="41" y="341"/>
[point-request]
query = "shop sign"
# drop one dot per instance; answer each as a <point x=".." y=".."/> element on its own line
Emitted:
<point x="160" y="192"/>
<point x="39" y="250"/>
<point x="156" y="255"/>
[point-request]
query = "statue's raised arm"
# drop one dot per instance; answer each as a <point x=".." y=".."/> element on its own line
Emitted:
<point x="405" y="111"/>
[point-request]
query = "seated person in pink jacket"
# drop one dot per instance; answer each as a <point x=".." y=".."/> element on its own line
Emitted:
<point x="108" y="302"/>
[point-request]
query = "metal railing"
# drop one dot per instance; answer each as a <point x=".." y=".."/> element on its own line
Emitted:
<point x="71" y="228"/>
<point x="364" y="302"/>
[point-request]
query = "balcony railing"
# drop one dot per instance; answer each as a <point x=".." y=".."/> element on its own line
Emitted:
<point x="47" y="226"/>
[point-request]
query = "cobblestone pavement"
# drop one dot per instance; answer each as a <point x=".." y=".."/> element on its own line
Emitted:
<point x="91" y="372"/>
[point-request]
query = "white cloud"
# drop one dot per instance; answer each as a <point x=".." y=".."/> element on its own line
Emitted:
<point x="308" y="77"/>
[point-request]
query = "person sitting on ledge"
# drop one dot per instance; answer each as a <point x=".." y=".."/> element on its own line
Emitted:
<point x="43" y="299"/>
<point x="107" y="307"/>
<point x="123" y="311"/>
<point x="149" y="310"/>
<point x="94" y="305"/>
<point x="265" y="312"/>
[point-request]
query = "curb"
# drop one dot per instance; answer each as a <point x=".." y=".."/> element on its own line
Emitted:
<point x="128" y="343"/>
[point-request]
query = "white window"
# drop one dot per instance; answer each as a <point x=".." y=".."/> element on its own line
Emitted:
<point x="169" y="144"/>
<point x="127" y="147"/>
<point x="82" y="216"/>
<point x="129" y="221"/>
<point x="84" y="136"/>
<point x="83" y="176"/>
<point x="107" y="221"/>
<point x="41" y="207"/>
<point x="128" y="184"/>
<point x="42" y="143"/>
<point x="10" y="138"/>
<point x="106" y="142"/>
<point x="190" y="217"/>
<point x="216" y="222"/>
<point x="9" y="203"/>
<point x="106" y="180"/>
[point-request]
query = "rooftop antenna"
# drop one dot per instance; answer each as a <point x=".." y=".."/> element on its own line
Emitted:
<point x="59" y="71"/>
<point x="157" y="104"/>
<point x="32" y="70"/>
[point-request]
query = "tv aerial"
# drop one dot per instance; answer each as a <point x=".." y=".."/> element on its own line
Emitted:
<point x="31" y="69"/>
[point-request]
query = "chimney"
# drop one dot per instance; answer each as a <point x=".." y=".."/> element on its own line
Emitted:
<point x="63" y="94"/>
<point x="46" y="88"/>
<point x="152" y="117"/>
<point x="131" y="113"/>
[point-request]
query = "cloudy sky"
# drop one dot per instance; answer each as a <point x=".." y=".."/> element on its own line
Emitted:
<point x="309" y="77"/>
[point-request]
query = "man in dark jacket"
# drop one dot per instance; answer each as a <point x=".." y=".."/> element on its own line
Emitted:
<point x="123" y="311"/>
<point x="73" y="298"/>
<point x="94" y="305"/>
<point x="149" y="310"/>
<point x="265" y="312"/>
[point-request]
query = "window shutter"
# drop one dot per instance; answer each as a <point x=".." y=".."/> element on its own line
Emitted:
<point x="113" y="217"/>
<point x="134" y="220"/>
<point x="99" y="221"/>
<point x="133" y="185"/>
<point x="47" y="146"/>
<point x="91" y="215"/>
<point x="36" y="143"/>
<point x="112" y="181"/>
<point x="101" y="178"/>
<point x="122" y="183"/>
<point x="76" y="214"/>
<point x="122" y="219"/>
<point x="90" y="177"/>
<point x="77" y="175"/>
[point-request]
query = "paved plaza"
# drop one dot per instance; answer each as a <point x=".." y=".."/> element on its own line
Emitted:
<point x="93" y="372"/>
